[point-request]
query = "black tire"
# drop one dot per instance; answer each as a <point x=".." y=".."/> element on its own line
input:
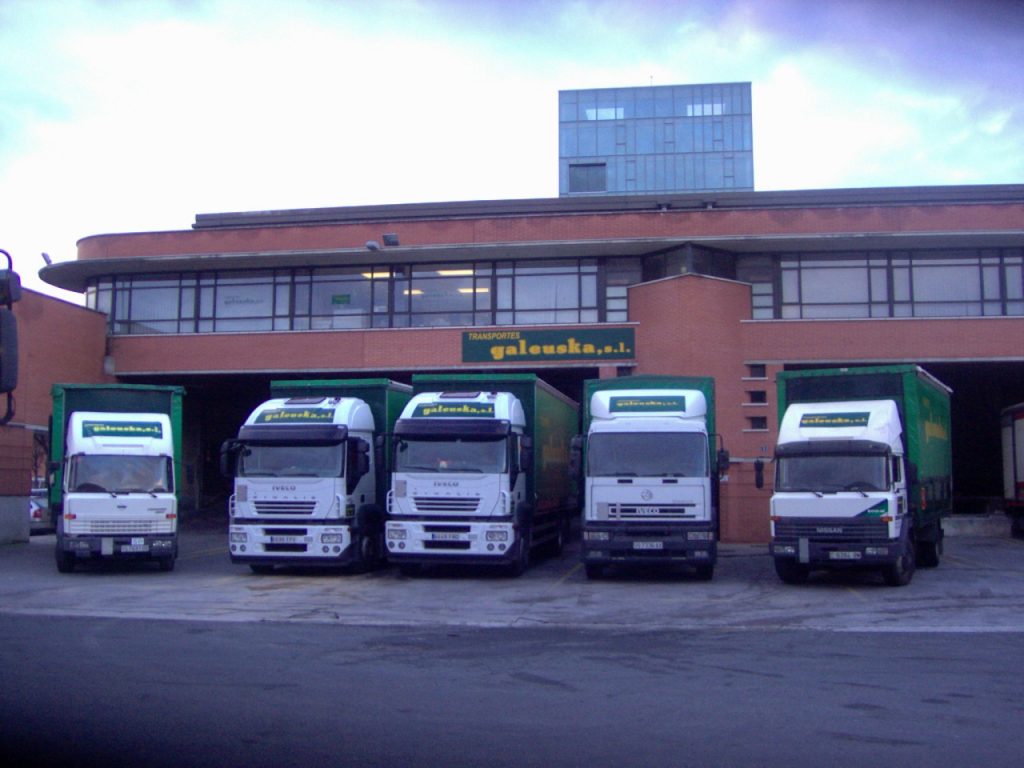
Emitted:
<point x="65" y="561"/>
<point x="167" y="563"/>
<point x="522" y="561"/>
<point x="262" y="569"/>
<point x="790" y="571"/>
<point x="594" y="571"/>
<point x="928" y="554"/>
<point x="900" y="573"/>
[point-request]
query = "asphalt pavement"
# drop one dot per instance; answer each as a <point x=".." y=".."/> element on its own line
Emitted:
<point x="978" y="587"/>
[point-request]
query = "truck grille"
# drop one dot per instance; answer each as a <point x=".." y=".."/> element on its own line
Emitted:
<point x="436" y="504"/>
<point x="286" y="507"/>
<point x="832" y="529"/>
<point x="120" y="527"/>
<point x="652" y="512"/>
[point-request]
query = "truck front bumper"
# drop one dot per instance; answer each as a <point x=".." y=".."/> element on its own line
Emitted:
<point x="124" y="546"/>
<point x="825" y="552"/>
<point x="425" y="542"/>
<point x="636" y="543"/>
<point x="262" y="543"/>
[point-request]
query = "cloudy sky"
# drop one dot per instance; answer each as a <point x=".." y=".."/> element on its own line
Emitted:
<point x="134" y="115"/>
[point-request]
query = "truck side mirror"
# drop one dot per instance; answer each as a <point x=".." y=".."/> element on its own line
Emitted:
<point x="576" y="455"/>
<point x="723" y="461"/>
<point x="229" y="457"/>
<point x="362" y="457"/>
<point x="526" y="451"/>
<point x="758" y="473"/>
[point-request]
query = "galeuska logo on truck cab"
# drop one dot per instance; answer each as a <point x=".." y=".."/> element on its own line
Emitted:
<point x="477" y="410"/>
<point x="859" y="419"/>
<point x="295" y="415"/>
<point x="122" y="429"/>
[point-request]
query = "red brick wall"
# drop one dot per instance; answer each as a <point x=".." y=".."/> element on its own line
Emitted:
<point x="57" y="342"/>
<point x="797" y="221"/>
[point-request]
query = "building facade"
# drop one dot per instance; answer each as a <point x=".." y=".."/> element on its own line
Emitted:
<point x="666" y="138"/>
<point x="737" y="286"/>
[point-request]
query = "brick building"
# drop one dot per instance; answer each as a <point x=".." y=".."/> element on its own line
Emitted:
<point x="736" y="285"/>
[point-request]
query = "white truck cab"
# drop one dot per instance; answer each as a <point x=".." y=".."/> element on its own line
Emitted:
<point x="840" y="486"/>
<point x="458" y="479"/>
<point x="118" y="489"/>
<point x="648" y="480"/>
<point x="305" y="489"/>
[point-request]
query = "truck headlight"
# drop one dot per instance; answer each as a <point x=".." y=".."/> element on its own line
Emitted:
<point x="699" y="536"/>
<point x="596" y="535"/>
<point x="332" y="538"/>
<point x="238" y="537"/>
<point x="497" y="535"/>
<point x="397" y="533"/>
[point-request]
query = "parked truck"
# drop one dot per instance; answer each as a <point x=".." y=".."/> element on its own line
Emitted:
<point x="481" y="471"/>
<point x="311" y="472"/>
<point x="863" y="473"/>
<point x="1012" y="428"/>
<point x="115" y="472"/>
<point x="651" y="473"/>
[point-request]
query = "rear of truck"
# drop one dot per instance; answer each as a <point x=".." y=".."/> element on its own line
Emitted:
<point x="650" y="474"/>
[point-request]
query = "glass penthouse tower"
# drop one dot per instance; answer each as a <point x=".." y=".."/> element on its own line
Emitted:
<point x="664" y="138"/>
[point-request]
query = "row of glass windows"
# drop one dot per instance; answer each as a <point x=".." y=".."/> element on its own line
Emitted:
<point x="659" y="173"/>
<point x="646" y="137"/>
<point x="654" y="101"/>
<point x="950" y="283"/>
<point x="499" y="293"/>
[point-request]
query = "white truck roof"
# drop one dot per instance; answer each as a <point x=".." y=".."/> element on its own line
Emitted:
<point x="871" y="420"/>
<point x="466" y="405"/>
<point x="346" y="411"/>
<point x="647" y="410"/>
<point x="98" y="432"/>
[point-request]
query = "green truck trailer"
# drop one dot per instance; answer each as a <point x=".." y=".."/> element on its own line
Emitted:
<point x="863" y="471"/>
<point x="481" y="472"/>
<point x="311" y="470"/>
<point x="650" y="473"/>
<point x="115" y="472"/>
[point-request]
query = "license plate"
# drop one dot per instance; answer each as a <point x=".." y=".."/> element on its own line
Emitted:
<point x="446" y="536"/>
<point x="648" y="545"/>
<point x="286" y="540"/>
<point x="134" y="548"/>
<point x="844" y="555"/>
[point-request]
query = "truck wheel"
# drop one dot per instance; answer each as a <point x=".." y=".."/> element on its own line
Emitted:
<point x="928" y="554"/>
<point x="65" y="561"/>
<point x="594" y="571"/>
<point x="899" y="573"/>
<point x="262" y="569"/>
<point x="522" y="561"/>
<point x="166" y="563"/>
<point x="371" y="551"/>
<point x="790" y="571"/>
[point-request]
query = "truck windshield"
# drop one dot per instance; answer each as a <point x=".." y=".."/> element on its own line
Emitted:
<point x="451" y="455"/>
<point x="97" y="473"/>
<point x="292" y="461"/>
<point x="831" y="473"/>
<point x="651" y="454"/>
